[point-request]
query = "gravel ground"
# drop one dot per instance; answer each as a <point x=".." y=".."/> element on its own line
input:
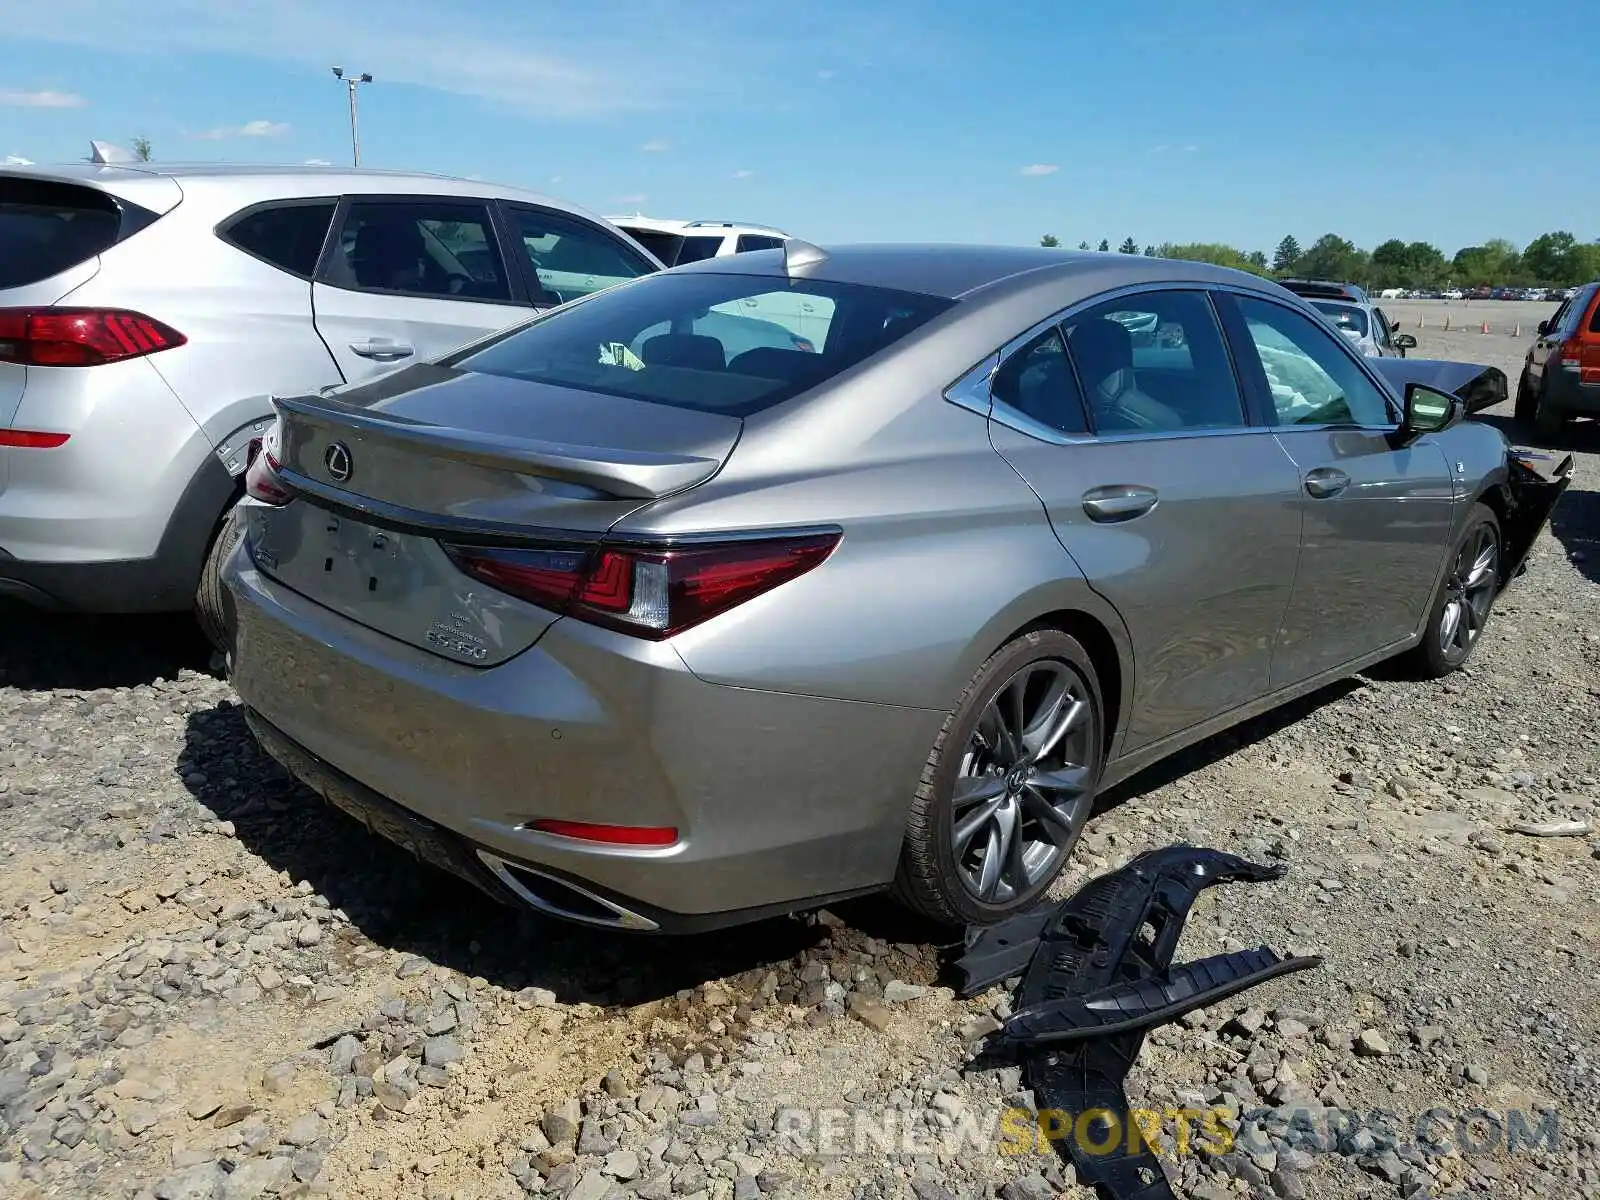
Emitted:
<point x="212" y="987"/>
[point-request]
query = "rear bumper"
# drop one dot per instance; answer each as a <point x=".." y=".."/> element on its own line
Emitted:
<point x="164" y="582"/>
<point x="781" y="801"/>
<point x="1570" y="394"/>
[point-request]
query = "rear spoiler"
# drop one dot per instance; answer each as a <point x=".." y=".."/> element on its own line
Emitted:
<point x="1479" y="386"/>
<point x="627" y="474"/>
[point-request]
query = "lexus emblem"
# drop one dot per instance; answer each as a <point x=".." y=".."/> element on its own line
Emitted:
<point x="337" y="460"/>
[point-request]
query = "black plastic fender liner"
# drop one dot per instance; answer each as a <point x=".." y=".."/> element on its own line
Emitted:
<point x="1533" y="499"/>
<point x="1098" y="977"/>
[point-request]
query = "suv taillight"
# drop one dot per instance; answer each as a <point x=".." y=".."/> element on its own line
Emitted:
<point x="1571" y="353"/>
<point x="652" y="594"/>
<point x="80" y="337"/>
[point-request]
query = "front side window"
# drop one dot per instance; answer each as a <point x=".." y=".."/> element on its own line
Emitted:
<point x="1153" y="362"/>
<point x="1313" y="380"/>
<point x="698" y="248"/>
<point x="683" y="340"/>
<point x="443" y="248"/>
<point x="570" y="258"/>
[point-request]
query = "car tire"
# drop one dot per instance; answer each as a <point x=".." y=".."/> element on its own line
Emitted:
<point x="210" y="607"/>
<point x="975" y="786"/>
<point x="1548" y="420"/>
<point x="1461" y="607"/>
<point x="1527" y="404"/>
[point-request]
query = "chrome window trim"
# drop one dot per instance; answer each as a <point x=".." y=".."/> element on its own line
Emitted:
<point x="972" y="390"/>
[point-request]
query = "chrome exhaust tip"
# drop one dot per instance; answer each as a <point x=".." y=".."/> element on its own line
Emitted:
<point x="561" y="898"/>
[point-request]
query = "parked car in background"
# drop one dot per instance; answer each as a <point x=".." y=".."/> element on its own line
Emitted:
<point x="1561" y="373"/>
<point x="675" y="242"/>
<point x="148" y="312"/>
<point x="1348" y="310"/>
<point x="647" y="631"/>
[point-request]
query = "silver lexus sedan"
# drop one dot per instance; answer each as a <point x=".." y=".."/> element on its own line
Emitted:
<point x="643" y="622"/>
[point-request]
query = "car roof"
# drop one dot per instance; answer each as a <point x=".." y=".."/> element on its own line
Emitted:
<point x="683" y="226"/>
<point x="955" y="272"/>
<point x="278" y="180"/>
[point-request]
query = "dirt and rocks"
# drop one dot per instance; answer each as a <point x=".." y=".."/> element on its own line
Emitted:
<point x="212" y="987"/>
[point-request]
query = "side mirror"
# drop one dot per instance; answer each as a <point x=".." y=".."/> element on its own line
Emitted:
<point x="1428" y="410"/>
<point x="1544" y="328"/>
<point x="1405" y="341"/>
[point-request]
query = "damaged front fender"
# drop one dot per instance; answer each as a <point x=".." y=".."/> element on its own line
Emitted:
<point x="1531" y="498"/>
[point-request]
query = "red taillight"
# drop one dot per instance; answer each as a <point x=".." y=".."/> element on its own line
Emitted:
<point x="29" y="439"/>
<point x="80" y="337"/>
<point x="1571" y="353"/>
<point x="650" y="593"/>
<point x="261" y="480"/>
<point x="616" y="835"/>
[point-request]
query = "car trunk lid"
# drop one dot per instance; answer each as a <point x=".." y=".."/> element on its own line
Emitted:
<point x="388" y="473"/>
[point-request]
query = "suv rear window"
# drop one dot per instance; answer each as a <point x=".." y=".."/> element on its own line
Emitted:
<point x="663" y="245"/>
<point x="732" y="344"/>
<point x="46" y="227"/>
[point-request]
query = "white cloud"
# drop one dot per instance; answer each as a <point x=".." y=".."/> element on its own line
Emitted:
<point x="743" y="174"/>
<point x="16" y="160"/>
<point x="42" y="99"/>
<point x="1161" y="149"/>
<point x="656" y="146"/>
<point x="1190" y="149"/>
<point x="250" y="129"/>
<point x="826" y="74"/>
<point x="633" y="201"/>
<point x="1036" y="169"/>
<point x="318" y="162"/>
<point x="565" y="65"/>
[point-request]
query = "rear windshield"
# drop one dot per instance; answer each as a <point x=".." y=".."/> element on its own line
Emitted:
<point x="47" y="227"/>
<point x="1347" y="317"/>
<point x="732" y="344"/>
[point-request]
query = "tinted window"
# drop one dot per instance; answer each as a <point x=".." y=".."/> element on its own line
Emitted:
<point x="47" y="227"/>
<point x="571" y="258"/>
<point x="697" y="249"/>
<point x="1381" y="332"/>
<point x="1037" y="381"/>
<point x="663" y="245"/>
<point x="752" y="241"/>
<point x="1313" y="380"/>
<point x="682" y="340"/>
<point x="442" y="248"/>
<point x="288" y="236"/>
<point x="1154" y="362"/>
<point x="1594" y="321"/>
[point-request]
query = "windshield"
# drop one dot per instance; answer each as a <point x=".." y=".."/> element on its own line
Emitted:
<point x="732" y="344"/>
<point x="1350" y="319"/>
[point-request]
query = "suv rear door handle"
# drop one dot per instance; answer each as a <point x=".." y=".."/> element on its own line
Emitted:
<point x="382" y="349"/>
<point x="1118" y="502"/>
<point x="1325" y="482"/>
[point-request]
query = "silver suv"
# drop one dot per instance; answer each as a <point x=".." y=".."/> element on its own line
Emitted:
<point x="148" y="312"/>
<point x="1351" y="311"/>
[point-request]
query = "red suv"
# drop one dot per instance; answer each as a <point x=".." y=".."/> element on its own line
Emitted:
<point x="1561" y="377"/>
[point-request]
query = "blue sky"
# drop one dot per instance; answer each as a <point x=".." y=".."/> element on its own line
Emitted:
<point x="1445" y="120"/>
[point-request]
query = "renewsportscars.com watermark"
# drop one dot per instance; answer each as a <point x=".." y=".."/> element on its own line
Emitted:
<point x="1166" y="1132"/>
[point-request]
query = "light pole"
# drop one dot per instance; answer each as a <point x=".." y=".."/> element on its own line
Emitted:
<point x="350" y="81"/>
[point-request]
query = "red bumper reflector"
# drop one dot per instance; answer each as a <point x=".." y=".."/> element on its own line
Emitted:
<point x="616" y="835"/>
<point x="29" y="439"/>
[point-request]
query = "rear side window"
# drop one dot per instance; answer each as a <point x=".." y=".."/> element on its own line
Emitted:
<point x="288" y="236"/>
<point x="1594" y="321"/>
<point x="663" y="245"/>
<point x="570" y="258"/>
<point x="756" y="241"/>
<point x="685" y="341"/>
<point x="444" y="248"/>
<point x="1038" y="382"/>
<point x="46" y="227"/>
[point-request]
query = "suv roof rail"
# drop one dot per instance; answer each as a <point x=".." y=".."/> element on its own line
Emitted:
<point x="734" y="225"/>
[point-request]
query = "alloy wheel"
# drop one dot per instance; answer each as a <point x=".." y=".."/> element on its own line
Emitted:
<point x="1469" y="592"/>
<point x="1024" y="788"/>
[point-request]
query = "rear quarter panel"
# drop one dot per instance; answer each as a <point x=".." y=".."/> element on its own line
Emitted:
<point x="946" y="554"/>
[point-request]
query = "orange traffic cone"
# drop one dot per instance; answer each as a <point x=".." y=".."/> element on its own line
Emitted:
<point x="1447" y="321"/>
<point x="1517" y="330"/>
<point x="1485" y="327"/>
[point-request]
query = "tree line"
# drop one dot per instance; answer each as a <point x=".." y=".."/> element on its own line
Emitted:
<point x="1555" y="259"/>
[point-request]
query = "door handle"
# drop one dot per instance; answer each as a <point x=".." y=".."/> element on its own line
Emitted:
<point x="382" y="349"/>
<point x="1118" y="502"/>
<point x="1324" y="482"/>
